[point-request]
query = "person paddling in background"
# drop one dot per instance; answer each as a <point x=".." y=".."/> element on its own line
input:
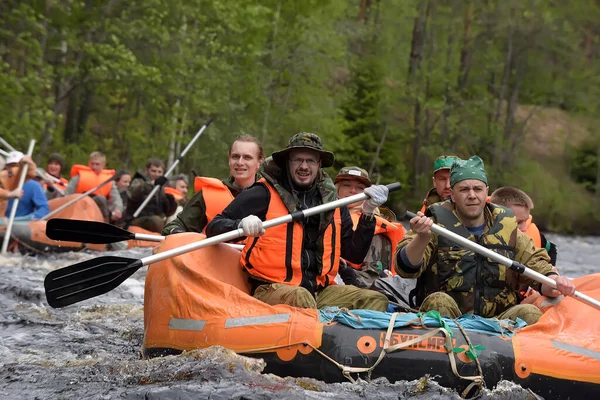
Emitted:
<point x="87" y="177"/>
<point x="350" y="181"/>
<point x="33" y="204"/>
<point x="296" y="263"/>
<point x="6" y="193"/>
<point x="456" y="281"/>
<point x="161" y="205"/>
<point x="441" y="181"/>
<point x="122" y="181"/>
<point x="54" y="187"/>
<point x="213" y="195"/>
<point x="178" y="188"/>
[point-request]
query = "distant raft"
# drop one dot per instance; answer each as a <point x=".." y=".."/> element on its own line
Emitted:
<point x="30" y="237"/>
<point x="201" y="299"/>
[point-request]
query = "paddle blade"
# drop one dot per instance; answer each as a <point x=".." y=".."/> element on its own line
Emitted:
<point x="74" y="230"/>
<point x="87" y="279"/>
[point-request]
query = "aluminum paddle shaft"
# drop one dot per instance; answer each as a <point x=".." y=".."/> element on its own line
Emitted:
<point x="507" y="262"/>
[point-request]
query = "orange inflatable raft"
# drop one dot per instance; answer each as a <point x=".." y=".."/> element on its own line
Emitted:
<point x="30" y="237"/>
<point x="201" y="299"/>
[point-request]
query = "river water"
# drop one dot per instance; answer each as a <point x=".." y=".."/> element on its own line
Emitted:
<point x="91" y="350"/>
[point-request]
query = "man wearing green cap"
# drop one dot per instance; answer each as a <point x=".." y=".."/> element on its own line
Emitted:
<point x="296" y="263"/>
<point x="350" y="181"/>
<point x="455" y="280"/>
<point x="441" y="181"/>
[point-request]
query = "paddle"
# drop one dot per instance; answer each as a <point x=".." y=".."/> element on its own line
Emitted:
<point x="76" y="199"/>
<point x="171" y="168"/>
<point x="15" y="204"/>
<point x="75" y="230"/>
<point x="47" y="177"/>
<point x="507" y="262"/>
<point x="94" y="277"/>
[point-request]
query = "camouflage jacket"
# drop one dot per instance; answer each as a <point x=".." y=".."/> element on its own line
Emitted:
<point x="477" y="284"/>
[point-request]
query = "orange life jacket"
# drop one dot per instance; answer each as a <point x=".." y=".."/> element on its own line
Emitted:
<point x="394" y="231"/>
<point x="215" y="194"/>
<point x="88" y="179"/>
<point x="173" y="192"/>
<point x="276" y="256"/>
<point x="62" y="185"/>
<point x="533" y="232"/>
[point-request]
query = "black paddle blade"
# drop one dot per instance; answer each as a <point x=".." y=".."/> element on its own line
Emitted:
<point x="87" y="279"/>
<point x="75" y="230"/>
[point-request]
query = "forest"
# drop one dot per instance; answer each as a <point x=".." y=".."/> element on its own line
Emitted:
<point x="389" y="85"/>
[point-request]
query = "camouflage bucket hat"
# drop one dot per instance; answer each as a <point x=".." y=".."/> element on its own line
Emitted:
<point x="444" y="162"/>
<point x="355" y="174"/>
<point x="468" y="169"/>
<point x="305" y="140"/>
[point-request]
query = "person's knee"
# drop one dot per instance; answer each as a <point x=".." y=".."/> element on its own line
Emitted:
<point x="441" y="302"/>
<point x="529" y="313"/>
<point x="283" y="294"/>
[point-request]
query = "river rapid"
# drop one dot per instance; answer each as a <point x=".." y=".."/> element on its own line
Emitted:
<point x="91" y="350"/>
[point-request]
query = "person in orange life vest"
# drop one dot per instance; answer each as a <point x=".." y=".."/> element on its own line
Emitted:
<point x="160" y="206"/>
<point x="178" y="188"/>
<point x="296" y="263"/>
<point x="56" y="163"/>
<point x="33" y="204"/>
<point x="521" y="204"/>
<point x="378" y="262"/>
<point x="212" y="195"/>
<point x="122" y="181"/>
<point x="86" y="177"/>
<point x="441" y="181"/>
<point x="6" y="193"/>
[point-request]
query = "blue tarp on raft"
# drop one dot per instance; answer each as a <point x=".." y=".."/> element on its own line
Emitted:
<point x="369" y="319"/>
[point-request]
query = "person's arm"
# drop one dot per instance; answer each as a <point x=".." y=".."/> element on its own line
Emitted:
<point x="252" y="201"/>
<point x="40" y="202"/>
<point x="114" y="199"/>
<point x="356" y="243"/>
<point x="72" y="185"/>
<point x="550" y="248"/>
<point x="191" y="219"/>
<point x="538" y="260"/>
<point x="415" y="251"/>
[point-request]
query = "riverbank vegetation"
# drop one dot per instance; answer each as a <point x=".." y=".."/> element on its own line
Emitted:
<point x="388" y="84"/>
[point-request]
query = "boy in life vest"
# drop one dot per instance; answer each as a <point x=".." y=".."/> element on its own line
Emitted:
<point x="213" y="195"/>
<point x="53" y="183"/>
<point x="86" y="177"/>
<point x="378" y="262"/>
<point x="455" y="280"/>
<point x="296" y="263"/>
<point x="441" y="181"/>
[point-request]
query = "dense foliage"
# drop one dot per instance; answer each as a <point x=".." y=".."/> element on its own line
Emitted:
<point x="388" y="84"/>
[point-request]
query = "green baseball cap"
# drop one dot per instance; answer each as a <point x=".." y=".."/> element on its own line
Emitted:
<point x="353" y="173"/>
<point x="444" y="162"/>
<point x="305" y="140"/>
<point x="472" y="168"/>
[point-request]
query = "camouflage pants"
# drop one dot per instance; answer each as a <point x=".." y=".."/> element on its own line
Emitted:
<point x="342" y="296"/>
<point x="447" y="307"/>
<point x="152" y="223"/>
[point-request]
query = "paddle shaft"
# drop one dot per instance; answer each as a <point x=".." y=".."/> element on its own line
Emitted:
<point x="171" y="168"/>
<point x="47" y="176"/>
<point x="224" y="237"/>
<point x="76" y="199"/>
<point x="4" y="153"/>
<point x="15" y="204"/>
<point x="507" y="262"/>
<point x="5" y="143"/>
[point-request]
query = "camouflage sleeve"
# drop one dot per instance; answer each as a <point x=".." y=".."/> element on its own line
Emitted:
<point x="535" y="258"/>
<point x="191" y="219"/>
<point x="406" y="271"/>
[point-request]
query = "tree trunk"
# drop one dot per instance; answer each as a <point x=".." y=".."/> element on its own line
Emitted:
<point x="174" y="120"/>
<point x="466" y="54"/>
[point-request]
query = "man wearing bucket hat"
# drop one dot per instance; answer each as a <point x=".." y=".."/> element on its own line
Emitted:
<point x="455" y="280"/>
<point x="33" y="203"/>
<point x="296" y="263"/>
<point x="350" y="181"/>
<point x="441" y="181"/>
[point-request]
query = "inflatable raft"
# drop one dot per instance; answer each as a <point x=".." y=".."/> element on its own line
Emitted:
<point x="201" y="299"/>
<point x="30" y="237"/>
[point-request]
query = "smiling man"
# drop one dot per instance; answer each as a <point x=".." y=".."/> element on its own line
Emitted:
<point x="456" y="281"/>
<point x="296" y="263"/>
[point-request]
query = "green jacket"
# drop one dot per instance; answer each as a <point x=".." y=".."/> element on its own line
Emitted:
<point x="477" y="284"/>
<point x="193" y="216"/>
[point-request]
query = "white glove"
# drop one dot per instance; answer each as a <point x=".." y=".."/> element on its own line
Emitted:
<point x="252" y="226"/>
<point x="378" y="195"/>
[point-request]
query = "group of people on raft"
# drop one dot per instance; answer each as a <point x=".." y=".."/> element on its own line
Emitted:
<point x="300" y="263"/>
